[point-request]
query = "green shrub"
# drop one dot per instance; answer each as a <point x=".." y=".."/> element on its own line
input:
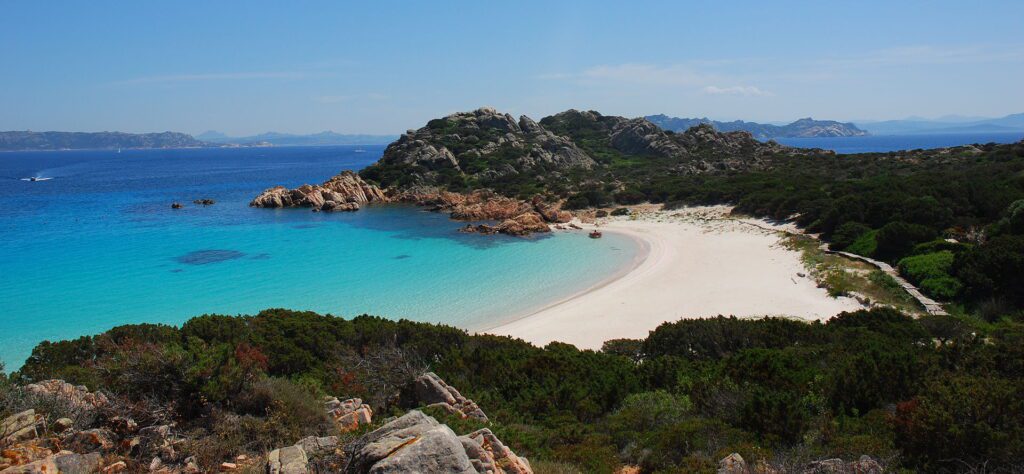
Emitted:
<point x="897" y="239"/>
<point x="944" y="288"/>
<point x="930" y="265"/>
<point x="865" y="245"/>
<point x="846" y="234"/>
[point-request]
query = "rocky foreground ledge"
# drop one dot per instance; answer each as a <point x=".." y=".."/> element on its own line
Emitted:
<point x="103" y="437"/>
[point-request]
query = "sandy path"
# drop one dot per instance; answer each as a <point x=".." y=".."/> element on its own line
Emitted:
<point x="698" y="265"/>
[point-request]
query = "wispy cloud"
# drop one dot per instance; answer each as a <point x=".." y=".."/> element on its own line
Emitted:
<point x="926" y="54"/>
<point x="681" y="77"/>
<point x="649" y="74"/>
<point x="221" y="76"/>
<point x="735" y="90"/>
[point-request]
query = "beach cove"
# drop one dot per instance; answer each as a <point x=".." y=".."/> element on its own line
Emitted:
<point x="99" y="246"/>
<point x="698" y="262"/>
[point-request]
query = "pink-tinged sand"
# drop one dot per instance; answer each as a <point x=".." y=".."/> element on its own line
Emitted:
<point x="697" y="263"/>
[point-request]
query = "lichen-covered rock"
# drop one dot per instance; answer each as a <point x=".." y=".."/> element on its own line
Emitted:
<point x="344" y="192"/>
<point x="430" y="390"/>
<point x="732" y="464"/>
<point x="349" y="414"/>
<point x="96" y="439"/>
<point x="19" y="427"/>
<point x="288" y="460"/>
<point x="62" y="462"/>
<point x="493" y="455"/>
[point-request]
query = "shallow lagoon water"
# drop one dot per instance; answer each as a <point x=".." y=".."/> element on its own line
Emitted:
<point x="99" y="246"/>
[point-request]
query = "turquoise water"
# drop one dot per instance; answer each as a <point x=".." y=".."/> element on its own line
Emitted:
<point x="99" y="246"/>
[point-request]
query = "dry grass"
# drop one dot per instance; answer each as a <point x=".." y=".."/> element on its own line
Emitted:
<point x="845" y="277"/>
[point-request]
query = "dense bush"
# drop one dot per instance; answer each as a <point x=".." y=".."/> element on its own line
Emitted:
<point x="782" y="391"/>
<point x="931" y="272"/>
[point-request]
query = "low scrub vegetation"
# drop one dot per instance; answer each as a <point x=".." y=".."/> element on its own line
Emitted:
<point x="935" y="394"/>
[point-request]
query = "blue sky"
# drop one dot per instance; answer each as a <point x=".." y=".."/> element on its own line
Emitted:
<point x="383" y="67"/>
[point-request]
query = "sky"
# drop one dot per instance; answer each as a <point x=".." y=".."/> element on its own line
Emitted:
<point x="382" y="67"/>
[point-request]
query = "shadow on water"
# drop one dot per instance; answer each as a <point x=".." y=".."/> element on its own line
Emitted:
<point x="204" y="257"/>
<point x="406" y="221"/>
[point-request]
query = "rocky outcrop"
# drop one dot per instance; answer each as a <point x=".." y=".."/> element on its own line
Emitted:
<point x="431" y="391"/>
<point x="62" y="462"/>
<point x="349" y="414"/>
<point x="77" y="395"/>
<point x="482" y="145"/>
<point x="516" y="217"/>
<point x="489" y="454"/>
<point x="735" y="464"/>
<point x="344" y="192"/>
<point x="20" y="426"/>
<point x="418" y="443"/>
<point x="864" y="465"/>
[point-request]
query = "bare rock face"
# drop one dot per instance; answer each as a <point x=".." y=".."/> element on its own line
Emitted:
<point x="349" y="414"/>
<point x="432" y="391"/>
<point x="344" y="192"/>
<point x="78" y="395"/>
<point x="524" y="224"/>
<point x="63" y="461"/>
<point x="489" y="454"/>
<point x="733" y="464"/>
<point x="418" y="443"/>
<point x="20" y="427"/>
<point x="517" y="217"/>
<point x="288" y="460"/>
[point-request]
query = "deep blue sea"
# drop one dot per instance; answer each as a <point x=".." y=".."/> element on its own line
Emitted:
<point x="884" y="143"/>
<point x="98" y="245"/>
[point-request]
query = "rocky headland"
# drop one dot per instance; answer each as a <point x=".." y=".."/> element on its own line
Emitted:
<point x="344" y="192"/>
<point x="484" y="165"/>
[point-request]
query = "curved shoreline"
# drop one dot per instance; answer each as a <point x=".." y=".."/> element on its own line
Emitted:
<point x="643" y="252"/>
<point x="694" y="266"/>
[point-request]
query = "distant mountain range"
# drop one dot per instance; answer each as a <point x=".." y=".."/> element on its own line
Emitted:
<point x="286" y="139"/>
<point x="921" y="126"/>
<point x="27" y="140"/>
<point x="17" y="140"/>
<point x="806" y="127"/>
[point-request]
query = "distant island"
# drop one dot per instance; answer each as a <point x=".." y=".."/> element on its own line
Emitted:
<point x="41" y="141"/>
<point x="325" y="138"/>
<point x="946" y="125"/>
<point x="27" y="140"/>
<point x="805" y="127"/>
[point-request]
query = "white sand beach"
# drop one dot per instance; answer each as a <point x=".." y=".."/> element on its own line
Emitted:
<point x="699" y="263"/>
